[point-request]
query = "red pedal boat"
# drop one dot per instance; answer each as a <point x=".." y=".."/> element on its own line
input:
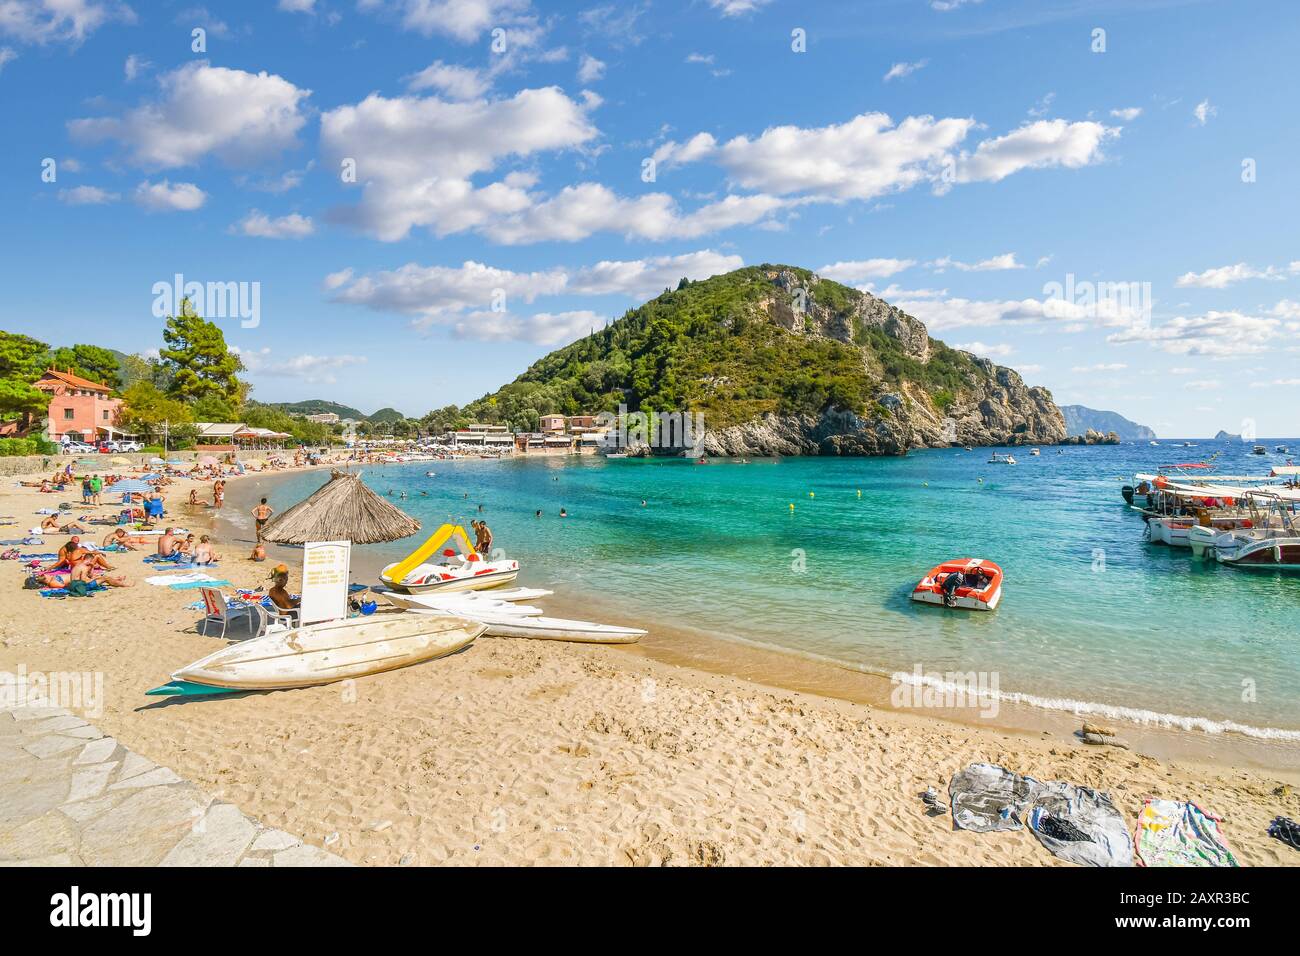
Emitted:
<point x="981" y="590"/>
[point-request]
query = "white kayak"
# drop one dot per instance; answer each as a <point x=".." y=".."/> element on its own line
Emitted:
<point x="513" y="594"/>
<point x="555" y="629"/>
<point x="456" y="603"/>
<point x="332" y="651"/>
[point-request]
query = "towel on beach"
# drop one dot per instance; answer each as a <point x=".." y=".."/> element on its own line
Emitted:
<point x="63" y="592"/>
<point x="1075" y="823"/>
<point x="169" y="580"/>
<point x="209" y="583"/>
<point x="985" y="797"/>
<point x="1175" y="833"/>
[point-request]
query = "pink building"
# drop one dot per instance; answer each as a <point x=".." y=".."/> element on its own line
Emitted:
<point x="79" y="408"/>
<point x="552" y="423"/>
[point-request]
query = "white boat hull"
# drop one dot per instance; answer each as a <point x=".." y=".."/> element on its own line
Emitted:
<point x="557" y="629"/>
<point x="461" y="603"/>
<point x="969" y="603"/>
<point x="491" y="577"/>
<point x="1171" y="531"/>
<point x="332" y="651"/>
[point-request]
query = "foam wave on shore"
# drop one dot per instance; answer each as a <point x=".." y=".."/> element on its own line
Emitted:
<point x="1081" y="708"/>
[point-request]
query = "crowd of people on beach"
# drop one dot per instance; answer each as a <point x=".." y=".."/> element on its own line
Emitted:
<point x="136" y="520"/>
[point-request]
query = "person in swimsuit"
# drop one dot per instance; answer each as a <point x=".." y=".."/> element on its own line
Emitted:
<point x="204" y="553"/>
<point x="121" y="539"/>
<point x="51" y="523"/>
<point x="261" y="514"/>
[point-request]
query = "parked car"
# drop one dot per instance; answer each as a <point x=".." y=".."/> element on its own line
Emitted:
<point x="129" y="446"/>
<point x="77" y="448"/>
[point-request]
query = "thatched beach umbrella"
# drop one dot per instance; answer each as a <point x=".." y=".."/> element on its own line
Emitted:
<point x="343" y="509"/>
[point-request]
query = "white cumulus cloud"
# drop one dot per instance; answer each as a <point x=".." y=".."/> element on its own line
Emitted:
<point x="292" y="226"/>
<point x="236" y="116"/>
<point x="165" y="196"/>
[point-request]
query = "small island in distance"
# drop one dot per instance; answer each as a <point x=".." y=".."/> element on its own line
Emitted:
<point x="1079" y="419"/>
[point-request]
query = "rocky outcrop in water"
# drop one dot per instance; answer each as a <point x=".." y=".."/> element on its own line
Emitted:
<point x="1092" y="437"/>
<point x="991" y="406"/>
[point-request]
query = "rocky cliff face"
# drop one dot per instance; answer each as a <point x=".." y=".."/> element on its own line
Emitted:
<point x="993" y="406"/>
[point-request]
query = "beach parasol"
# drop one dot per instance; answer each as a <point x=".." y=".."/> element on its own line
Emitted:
<point x="119" y="460"/>
<point x="130" y="486"/>
<point x="343" y="509"/>
<point x="207" y="460"/>
<point x="156" y="461"/>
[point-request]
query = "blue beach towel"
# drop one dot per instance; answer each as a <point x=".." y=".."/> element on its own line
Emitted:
<point x="191" y="585"/>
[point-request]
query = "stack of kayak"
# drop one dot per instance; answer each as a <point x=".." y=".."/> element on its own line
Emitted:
<point x="504" y="615"/>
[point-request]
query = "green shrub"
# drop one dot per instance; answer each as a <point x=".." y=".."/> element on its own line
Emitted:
<point x="10" y="447"/>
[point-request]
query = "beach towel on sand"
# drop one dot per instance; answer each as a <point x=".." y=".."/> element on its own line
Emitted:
<point x="169" y="580"/>
<point x="1075" y="823"/>
<point x="1174" y="833"/>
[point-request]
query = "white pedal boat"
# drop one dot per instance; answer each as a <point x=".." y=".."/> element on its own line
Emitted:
<point x="332" y="651"/>
<point x="456" y="567"/>
<point x="455" y="573"/>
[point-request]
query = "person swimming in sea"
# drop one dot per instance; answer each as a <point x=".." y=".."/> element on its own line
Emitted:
<point x="563" y="513"/>
<point x="538" y="514"/>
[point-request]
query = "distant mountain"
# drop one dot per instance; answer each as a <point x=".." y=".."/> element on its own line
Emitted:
<point x="1078" y="419"/>
<point x="318" y="406"/>
<point x="1227" y="436"/>
<point x="385" y="415"/>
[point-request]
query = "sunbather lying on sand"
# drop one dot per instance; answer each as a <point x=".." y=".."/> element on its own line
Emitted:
<point x="51" y="523"/>
<point x="123" y="540"/>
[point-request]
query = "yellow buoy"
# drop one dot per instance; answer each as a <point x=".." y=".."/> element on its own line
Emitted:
<point x="792" y="506"/>
<point x="812" y="494"/>
<point x="859" y="492"/>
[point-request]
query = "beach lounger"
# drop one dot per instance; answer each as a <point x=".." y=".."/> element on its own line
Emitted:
<point x="219" y="611"/>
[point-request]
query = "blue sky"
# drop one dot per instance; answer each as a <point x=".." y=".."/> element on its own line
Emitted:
<point x="961" y="158"/>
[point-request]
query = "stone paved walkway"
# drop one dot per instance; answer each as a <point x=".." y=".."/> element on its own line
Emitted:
<point x="69" y="796"/>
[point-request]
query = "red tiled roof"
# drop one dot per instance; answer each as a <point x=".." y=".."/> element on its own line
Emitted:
<point x="76" y="381"/>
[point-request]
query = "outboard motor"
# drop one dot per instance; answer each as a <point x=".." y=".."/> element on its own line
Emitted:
<point x="1127" y="492"/>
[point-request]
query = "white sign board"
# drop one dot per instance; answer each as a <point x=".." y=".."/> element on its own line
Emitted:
<point x="325" y="570"/>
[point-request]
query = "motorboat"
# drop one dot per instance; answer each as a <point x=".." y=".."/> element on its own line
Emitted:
<point x="1262" y="548"/>
<point x="433" y="567"/>
<point x="1259" y="450"/>
<point x="1007" y="459"/>
<point x="1175" y="530"/>
<point x="980" y="588"/>
<point x="1034" y="451"/>
<point x="326" y="652"/>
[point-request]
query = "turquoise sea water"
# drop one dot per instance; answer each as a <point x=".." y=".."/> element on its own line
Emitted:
<point x="1091" y="615"/>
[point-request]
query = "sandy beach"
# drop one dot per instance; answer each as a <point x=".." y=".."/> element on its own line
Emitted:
<point x="518" y="752"/>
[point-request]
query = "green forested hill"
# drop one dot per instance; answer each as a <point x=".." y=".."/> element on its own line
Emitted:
<point x="319" y="406"/>
<point x="735" y="347"/>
